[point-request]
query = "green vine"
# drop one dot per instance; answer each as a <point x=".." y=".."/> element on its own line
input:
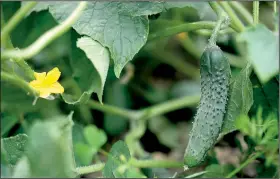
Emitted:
<point x="47" y="37"/>
<point x="256" y="9"/>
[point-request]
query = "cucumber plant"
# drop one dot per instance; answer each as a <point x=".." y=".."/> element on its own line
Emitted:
<point x="64" y="65"/>
<point x="215" y="77"/>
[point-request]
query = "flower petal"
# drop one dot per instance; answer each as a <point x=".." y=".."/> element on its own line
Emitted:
<point x="56" y="88"/>
<point x="40" y="76"/>
<point x="44" y="93"/>
<point x="36" y="84"/>
<point x="52" y="76"/>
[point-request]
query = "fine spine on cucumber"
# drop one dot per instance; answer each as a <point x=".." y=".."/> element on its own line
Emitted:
<point x="215" y="77"/>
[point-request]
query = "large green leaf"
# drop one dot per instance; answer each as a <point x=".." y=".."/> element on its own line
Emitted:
<point x="49" y="150"/>
<point x="120" y="26"/>
<point x="14" y="147"/>
<point x="266" y="96"/>
<point x="90" y="63"/>
<point x="217" y="171"/>
<point x="6" y="170"/>
<point x="262" y="51"/>
<point x="240" y="99"/>
<point x="15" y="100"/>
<point x="116" y="157"/>
<point x="7" y="122"/>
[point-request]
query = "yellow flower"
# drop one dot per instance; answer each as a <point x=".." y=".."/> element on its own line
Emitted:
<point x="182" y="35"/>
<point x="46" y="84"/>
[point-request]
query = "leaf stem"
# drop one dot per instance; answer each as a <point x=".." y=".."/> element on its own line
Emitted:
<point x="237" y="6"/>
<point x="196" y="52"/>
<point x="215" y="6"/>
<point x="235" y="20"/>
<point x="231" y="174"/>
<point x="186" y="27"/>
<point x="16" y="18"/>
<point x="148" y="112"/>
<point x="155" y="163"/>
<point x="90" y="168"/>
<point x="18" y="82"/>
<point x="168" y="106"/>
<point x="47" y="37"/>
<point x="129" y="114"/>
<point x="206" y="32"/>
<point x="132" y="162"/>
<point x="256" y="5"/>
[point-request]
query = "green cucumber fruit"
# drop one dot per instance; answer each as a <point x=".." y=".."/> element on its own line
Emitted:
<point x="215" y="77"/>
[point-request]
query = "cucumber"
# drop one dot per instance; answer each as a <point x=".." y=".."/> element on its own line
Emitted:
<point x="215" y="77"/>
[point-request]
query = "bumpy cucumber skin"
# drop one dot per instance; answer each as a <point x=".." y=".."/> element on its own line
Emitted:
<point x="215" y="77"/>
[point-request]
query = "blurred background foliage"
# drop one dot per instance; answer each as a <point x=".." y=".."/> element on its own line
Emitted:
<point x="165" y="68"/>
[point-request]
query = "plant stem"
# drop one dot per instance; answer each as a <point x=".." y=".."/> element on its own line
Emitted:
<point x="216" y="8"/>
<point x="18" y="82"/>
<point x="90" y="168"/>
<point x="235" y="20"/>
<point x="222" y="19"/>
<point x="186" y="27"/>
<point x="8" y="44"/>
<point x="275" y="6"/>
<point x="129" y="114"/>
<point x="17" y="17"/>
<point x="256" y="11"/>
<point x="132" y="162"/>
<point x="47" y="37"/>
<point x="237" y="6"/>
<point x="149" y="112"/>
<point x="196" y="174"/>
<point x="195" y="51"/>
<point x="168" y="106"/>
<point x="206" y="32"/>
<point x="155" y="163"/>
<point x="243" y="165"/>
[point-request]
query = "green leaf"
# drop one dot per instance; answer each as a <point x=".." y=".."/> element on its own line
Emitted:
<point x="15" y="147"/>
<point x="134" y="173"/>
<point x="262" y="51"/>
<point x="118" y="152"/>
<point x="84" y="153"/>
<point x="94" y="136"/>
<point x="266" y="96"/>
<point x="90" y="63"/>
<point x="7" y="122"/>
<point x="49" y="150"/>
<point x="217" y="171"/>
<point x="22" y="168"/>
<point x="6" y="171"/>
<point x="243" y="124"/>
<point x="87" y="142"/>
<point x="80" y="152"/>
<point x="15" y="100"/>
<point x="240" y="99"/>
<point x="120" y="26"/>
<point x="200" y="7"/>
